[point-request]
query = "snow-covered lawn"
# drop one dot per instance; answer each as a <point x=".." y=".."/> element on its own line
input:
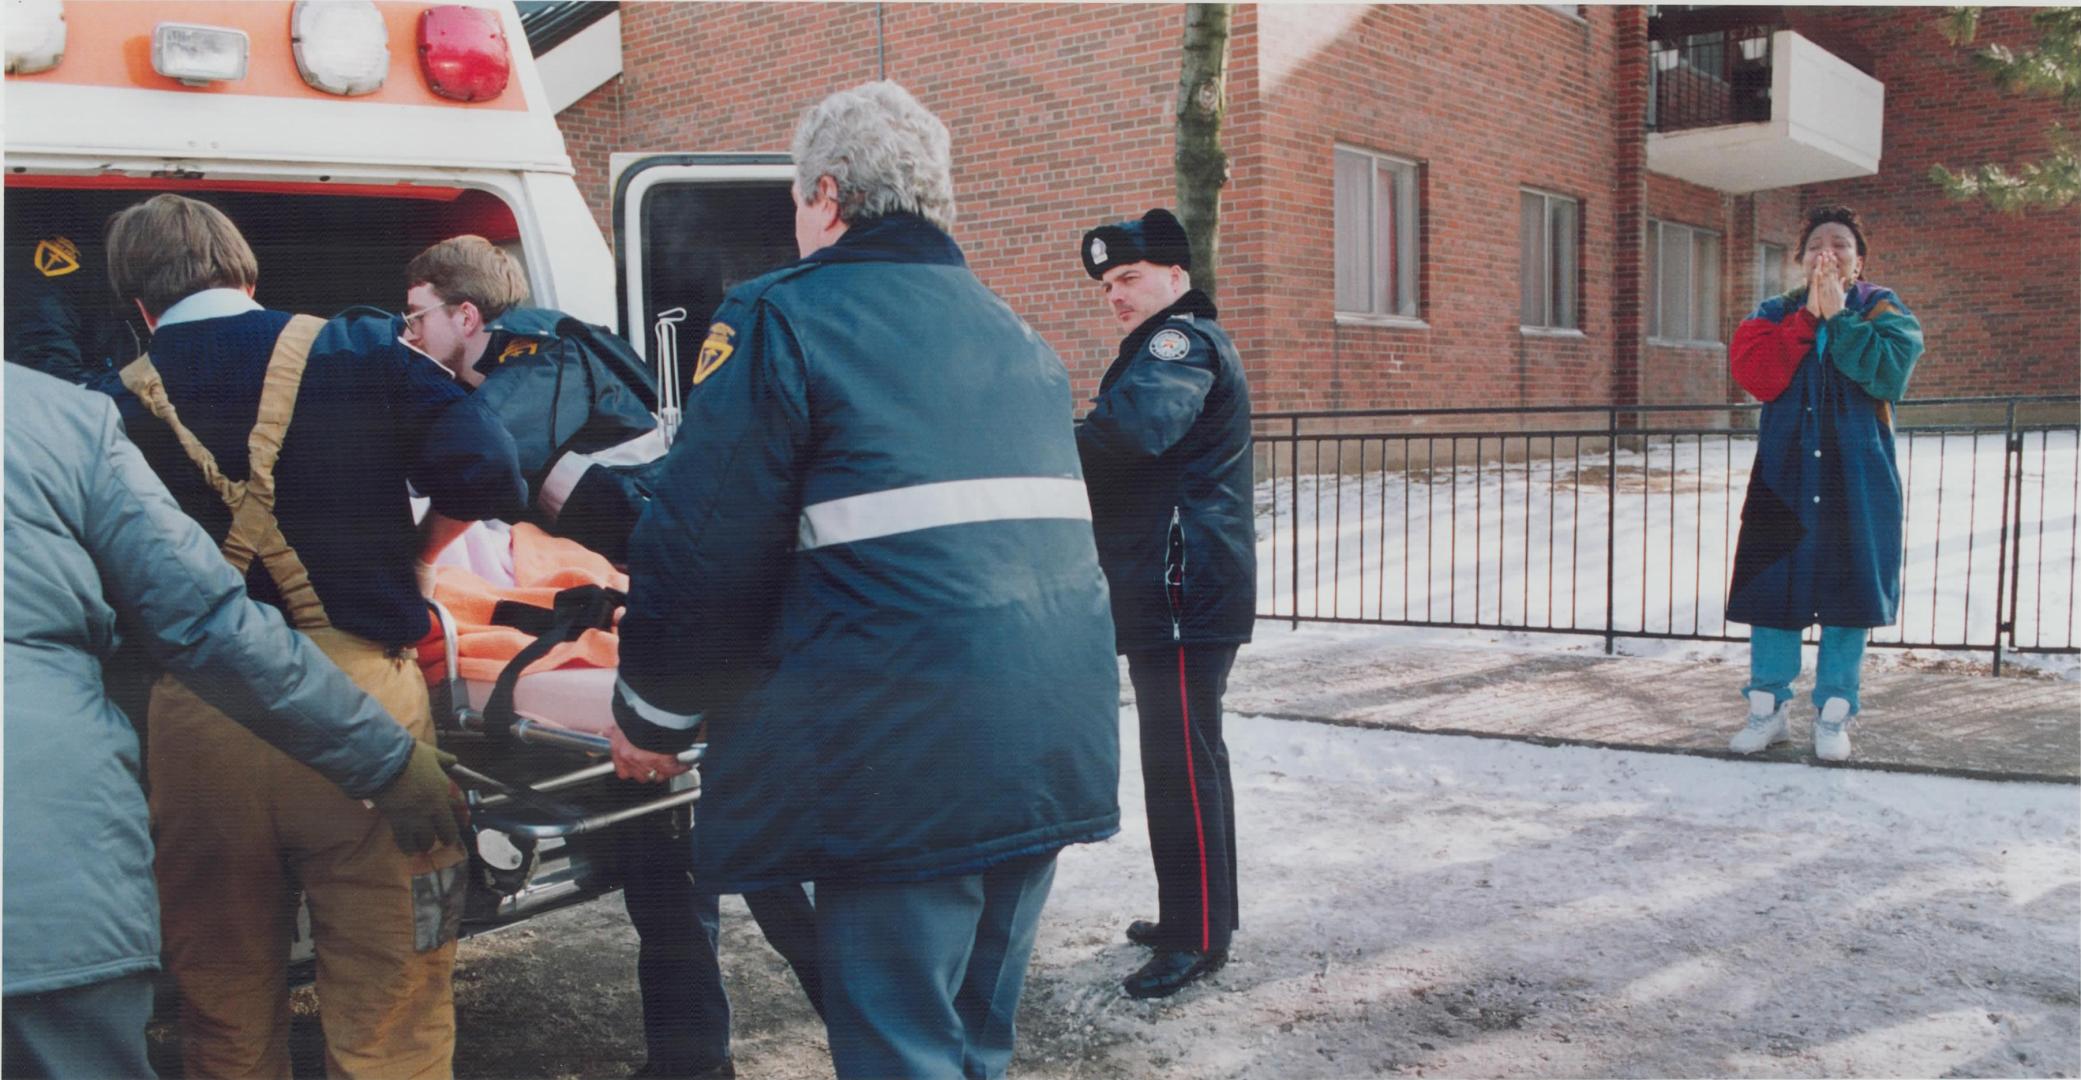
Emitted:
<point x="1522" y="543"/>
<point x="1467" y="907"/>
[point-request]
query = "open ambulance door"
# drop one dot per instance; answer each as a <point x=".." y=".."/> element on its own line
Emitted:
<point x="687" y="229"/>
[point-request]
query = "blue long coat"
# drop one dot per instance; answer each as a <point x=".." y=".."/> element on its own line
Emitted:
<point x="868" y="563"/>
<point x="1821" y="529"/>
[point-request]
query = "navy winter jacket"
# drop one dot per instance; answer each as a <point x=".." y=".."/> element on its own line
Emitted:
<point x="370" y="415"/>
<point x="868" y="563"/>
<point x="1166" y="451"/>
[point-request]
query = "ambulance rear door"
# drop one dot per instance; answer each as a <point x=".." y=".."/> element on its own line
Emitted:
<point x="687" y="229"/>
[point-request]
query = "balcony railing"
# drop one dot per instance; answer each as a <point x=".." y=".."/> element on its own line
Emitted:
<point x="1711" y="78"/>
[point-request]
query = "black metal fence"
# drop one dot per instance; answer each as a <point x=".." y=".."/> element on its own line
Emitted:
<point x="1620" y="521"/>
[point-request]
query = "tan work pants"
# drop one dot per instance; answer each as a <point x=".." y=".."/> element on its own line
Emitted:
<point x="240" y="827"/>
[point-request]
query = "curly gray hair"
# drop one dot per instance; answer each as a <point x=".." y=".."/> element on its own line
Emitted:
<point x="886" y="152"/>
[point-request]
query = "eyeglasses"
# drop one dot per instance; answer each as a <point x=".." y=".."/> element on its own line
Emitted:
<point x="411" y="317"/>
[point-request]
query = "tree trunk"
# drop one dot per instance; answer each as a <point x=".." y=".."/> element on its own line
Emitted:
<point x="1202" y="167"/>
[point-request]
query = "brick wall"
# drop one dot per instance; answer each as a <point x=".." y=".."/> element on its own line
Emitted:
<point x="1997" y="294"/>
<point x="1061" y="116"/>
<point x="1427" y="83"/>
<point x="592" y="130"/>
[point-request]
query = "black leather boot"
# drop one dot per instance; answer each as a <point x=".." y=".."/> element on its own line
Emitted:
<point x="1145" y="932"/>
<point x="1172" y="970"/>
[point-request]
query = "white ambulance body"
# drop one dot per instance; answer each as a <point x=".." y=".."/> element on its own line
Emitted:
<point x="325" y="129"/>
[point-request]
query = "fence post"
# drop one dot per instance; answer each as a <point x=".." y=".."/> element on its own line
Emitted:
<point x="1294" y="564"/>
<point x="2003" y="568"/>
<point x="1611" y="527"/>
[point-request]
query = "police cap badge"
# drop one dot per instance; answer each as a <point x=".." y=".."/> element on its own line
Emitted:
<point x="1155" y="237"/>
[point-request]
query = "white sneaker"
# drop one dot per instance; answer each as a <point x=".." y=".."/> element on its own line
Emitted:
<point x="1831" y="731"/>
<point x="1768" y="724"/>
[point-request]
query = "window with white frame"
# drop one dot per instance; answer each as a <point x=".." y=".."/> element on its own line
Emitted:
<point x="1548" y="268"/>
<point x="1770" y="271"/>
<point x="1684" y="267"/>
<point x="1376" y="234"/>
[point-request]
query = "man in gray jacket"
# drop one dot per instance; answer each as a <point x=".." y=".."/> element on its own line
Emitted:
<point x="96" y="548"/>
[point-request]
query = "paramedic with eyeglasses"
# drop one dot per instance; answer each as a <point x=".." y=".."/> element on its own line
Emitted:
<point x="563" y="390"/>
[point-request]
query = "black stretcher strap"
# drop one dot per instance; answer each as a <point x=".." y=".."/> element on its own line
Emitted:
<point x="586" y="607"/>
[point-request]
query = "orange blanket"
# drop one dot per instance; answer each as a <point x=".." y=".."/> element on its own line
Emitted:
<point x="543" y="565"/>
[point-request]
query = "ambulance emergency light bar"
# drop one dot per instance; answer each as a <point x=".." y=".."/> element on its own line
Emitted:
<point x="35" y="35"/>
<point x="199" y="55"/>
<point x="341" y="47"/>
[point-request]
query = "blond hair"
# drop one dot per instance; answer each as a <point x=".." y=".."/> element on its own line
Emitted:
<point x="471" y="268"/>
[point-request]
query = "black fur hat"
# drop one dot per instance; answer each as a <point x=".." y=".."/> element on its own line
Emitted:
<point x="1156" y="238"/>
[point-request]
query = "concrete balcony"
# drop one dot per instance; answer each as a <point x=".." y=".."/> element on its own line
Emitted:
<point x="1716" y="125"/>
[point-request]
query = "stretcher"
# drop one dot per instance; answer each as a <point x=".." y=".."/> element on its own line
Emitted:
<point x="545" y="809"/>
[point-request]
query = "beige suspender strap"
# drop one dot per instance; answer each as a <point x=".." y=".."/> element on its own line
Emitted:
<point x="254" y="531"/>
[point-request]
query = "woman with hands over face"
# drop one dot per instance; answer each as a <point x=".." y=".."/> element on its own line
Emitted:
<point x="1821" y="528"/>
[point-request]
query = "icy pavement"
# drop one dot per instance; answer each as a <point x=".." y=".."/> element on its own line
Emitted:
<point x="1430" y="904"/>
<point x="1684" y="696"/>
<point x="1419" y="903"/>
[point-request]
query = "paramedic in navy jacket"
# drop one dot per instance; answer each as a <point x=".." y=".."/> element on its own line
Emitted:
<point x="868" y="567"/>
<point x="1166" y="451"/>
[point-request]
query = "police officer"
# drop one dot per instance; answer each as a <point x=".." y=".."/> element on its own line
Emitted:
<point x="1166" y="451"/>
<point x="868" y="565"/>
<point x="566" y="393"/>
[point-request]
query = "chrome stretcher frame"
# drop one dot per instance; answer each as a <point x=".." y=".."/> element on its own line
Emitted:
<point x="547" y="842"/>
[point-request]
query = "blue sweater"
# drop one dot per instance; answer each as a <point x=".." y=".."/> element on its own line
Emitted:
<point x="370" y="415"/>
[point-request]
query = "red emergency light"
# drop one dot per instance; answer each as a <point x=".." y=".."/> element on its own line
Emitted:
<point x="463" y="52"/>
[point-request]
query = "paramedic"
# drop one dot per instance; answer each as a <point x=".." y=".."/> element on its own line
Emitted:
<point x="568" y="392"/>
<point x="1166" y="450"/>
<point x="463" y="302"/>
<point x="291" y="440"/>
<point x="868" y="564"/>
<point x="96" y="549"/>
<point x="60" y="319"/>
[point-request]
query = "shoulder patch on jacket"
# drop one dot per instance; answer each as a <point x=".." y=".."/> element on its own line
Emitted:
<point x="56" y="257"/>
<point x="716" y="349"/>
<point x="1170" y="344"/>
<point x="519" y="346"/>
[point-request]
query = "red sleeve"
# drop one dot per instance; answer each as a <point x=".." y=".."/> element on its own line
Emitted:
<point x="1765" y="353"/>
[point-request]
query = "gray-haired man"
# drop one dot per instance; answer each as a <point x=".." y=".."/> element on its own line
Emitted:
<point x="869" y="565"/>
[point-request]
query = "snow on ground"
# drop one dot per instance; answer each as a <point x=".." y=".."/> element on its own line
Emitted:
<point x="1468" y="907"/>
<point x="1523" y="543"/>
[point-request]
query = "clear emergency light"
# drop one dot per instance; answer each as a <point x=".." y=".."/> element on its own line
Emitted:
<point x="341" y="46"/>
<point x="199" y="55"/>
<point x="463" y="52"/>
<point x="35" y="32"/>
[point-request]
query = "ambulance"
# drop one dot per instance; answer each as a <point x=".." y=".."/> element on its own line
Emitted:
<point x="343" y="136"/>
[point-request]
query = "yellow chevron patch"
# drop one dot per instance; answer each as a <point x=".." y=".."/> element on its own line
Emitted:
<point x="714" y="351"/>
<point x="56" y="257"/>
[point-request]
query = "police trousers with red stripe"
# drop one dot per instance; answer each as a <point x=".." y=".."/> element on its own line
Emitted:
<point x="1191" y="802"/>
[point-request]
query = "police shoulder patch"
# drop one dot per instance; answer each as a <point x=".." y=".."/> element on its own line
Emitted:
<point x="1170" y="345"/>
<point x="716" y="349"/>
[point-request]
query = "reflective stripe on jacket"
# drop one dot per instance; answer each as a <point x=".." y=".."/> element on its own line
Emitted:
<point x="868" y="563"/>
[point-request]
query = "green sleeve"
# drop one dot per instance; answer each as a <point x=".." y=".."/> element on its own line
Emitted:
<point x="1878" y="353"/>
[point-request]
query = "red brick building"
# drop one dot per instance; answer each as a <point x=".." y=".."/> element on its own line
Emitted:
<point x="1537" y="204"/>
